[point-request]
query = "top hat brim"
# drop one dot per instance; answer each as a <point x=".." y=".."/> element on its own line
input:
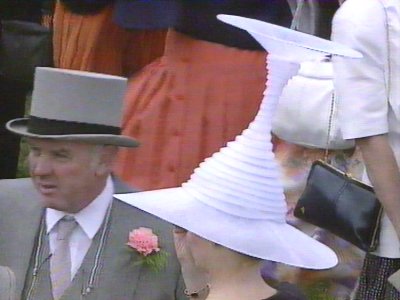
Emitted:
<point x="20" y="127"/>
<point x="264" y="239"/>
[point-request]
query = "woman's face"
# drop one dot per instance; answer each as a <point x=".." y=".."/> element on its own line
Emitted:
<point x="200" y="248"/>
<point x="190" y="246"/>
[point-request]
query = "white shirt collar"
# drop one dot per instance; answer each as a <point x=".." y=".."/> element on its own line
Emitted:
<point x="91" y="217"/>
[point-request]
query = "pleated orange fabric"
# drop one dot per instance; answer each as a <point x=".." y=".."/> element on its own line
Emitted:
<point x="185" y="106"/>
<point x="95" y="43"/>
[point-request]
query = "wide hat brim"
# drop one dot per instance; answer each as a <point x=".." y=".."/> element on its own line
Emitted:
<point x="274" y="241"/>
<point x="290" y="44"/>
<point x="20" y="127"/>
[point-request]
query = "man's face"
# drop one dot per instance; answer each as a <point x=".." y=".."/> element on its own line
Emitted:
<point x="68" y="175"/>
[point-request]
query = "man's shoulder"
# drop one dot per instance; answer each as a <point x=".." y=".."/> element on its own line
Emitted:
<point x="14" y="194"/>
<point x="14" y="183"/>
<point x="15" y="187"/>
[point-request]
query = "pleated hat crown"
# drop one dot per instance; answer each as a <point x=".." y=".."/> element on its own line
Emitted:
<point x="242" y="179"/>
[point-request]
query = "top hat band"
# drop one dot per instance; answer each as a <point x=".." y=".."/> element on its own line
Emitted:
<point x="43" y="126"/>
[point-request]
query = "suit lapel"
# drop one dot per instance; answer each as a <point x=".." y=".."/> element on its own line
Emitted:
<point x="39" y="286"/>
<point x="27" y="238"/>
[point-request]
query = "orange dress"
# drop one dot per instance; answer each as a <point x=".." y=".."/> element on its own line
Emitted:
<point x="95" y="43"/>
<point x="185" y="106"/>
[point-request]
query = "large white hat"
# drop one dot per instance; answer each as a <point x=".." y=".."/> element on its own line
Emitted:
<point x="77" y="106"/>
<point x="287" y="43"/>
<point x="235" y="198"/>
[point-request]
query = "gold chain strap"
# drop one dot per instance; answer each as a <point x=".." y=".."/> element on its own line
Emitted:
<point x="330" y="121"/>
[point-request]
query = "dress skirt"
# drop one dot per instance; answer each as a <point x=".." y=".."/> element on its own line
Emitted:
<point x="185" y="106"/>
<point x="93" y="42"/>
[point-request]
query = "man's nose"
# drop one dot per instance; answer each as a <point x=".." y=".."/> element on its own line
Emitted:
<point x="40" y="166"/>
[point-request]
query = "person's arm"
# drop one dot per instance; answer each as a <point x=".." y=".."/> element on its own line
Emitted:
<point x="383" y="173"/>
<point x="363" y="98"/>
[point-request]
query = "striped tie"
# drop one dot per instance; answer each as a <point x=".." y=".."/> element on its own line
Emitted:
<point x="60" y="262"/>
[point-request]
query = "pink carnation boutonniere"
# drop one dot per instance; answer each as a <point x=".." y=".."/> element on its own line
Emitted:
<point x="145" y="243"/>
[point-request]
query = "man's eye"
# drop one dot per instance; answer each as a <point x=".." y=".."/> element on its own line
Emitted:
<point x="34" y="152"/>
<point x="61" y="155"/>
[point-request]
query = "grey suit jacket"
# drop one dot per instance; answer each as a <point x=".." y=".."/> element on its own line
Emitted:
<point x="118" y="276"/>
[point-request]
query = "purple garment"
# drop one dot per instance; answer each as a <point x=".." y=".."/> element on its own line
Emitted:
<point x="197" y="18"/>
<point x="146" y="14"/>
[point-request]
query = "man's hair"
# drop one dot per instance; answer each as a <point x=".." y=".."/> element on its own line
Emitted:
<point x="97" y="152"/>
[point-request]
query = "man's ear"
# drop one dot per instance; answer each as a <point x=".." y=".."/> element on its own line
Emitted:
<point x="107" y="157"/>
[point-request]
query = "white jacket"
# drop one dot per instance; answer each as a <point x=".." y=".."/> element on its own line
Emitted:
<point x="369" y="88"/>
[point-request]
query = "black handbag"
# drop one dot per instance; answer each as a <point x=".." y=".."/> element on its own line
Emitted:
<point x="23" y="47"/>
<point x="343" y="205"/>
<point x="337" y="202"/>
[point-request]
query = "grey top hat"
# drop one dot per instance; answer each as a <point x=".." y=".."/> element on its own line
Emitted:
<point x="76" y="106"/>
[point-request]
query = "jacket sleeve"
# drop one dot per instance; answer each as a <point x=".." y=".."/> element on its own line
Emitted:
<point x="360" y="83"/>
